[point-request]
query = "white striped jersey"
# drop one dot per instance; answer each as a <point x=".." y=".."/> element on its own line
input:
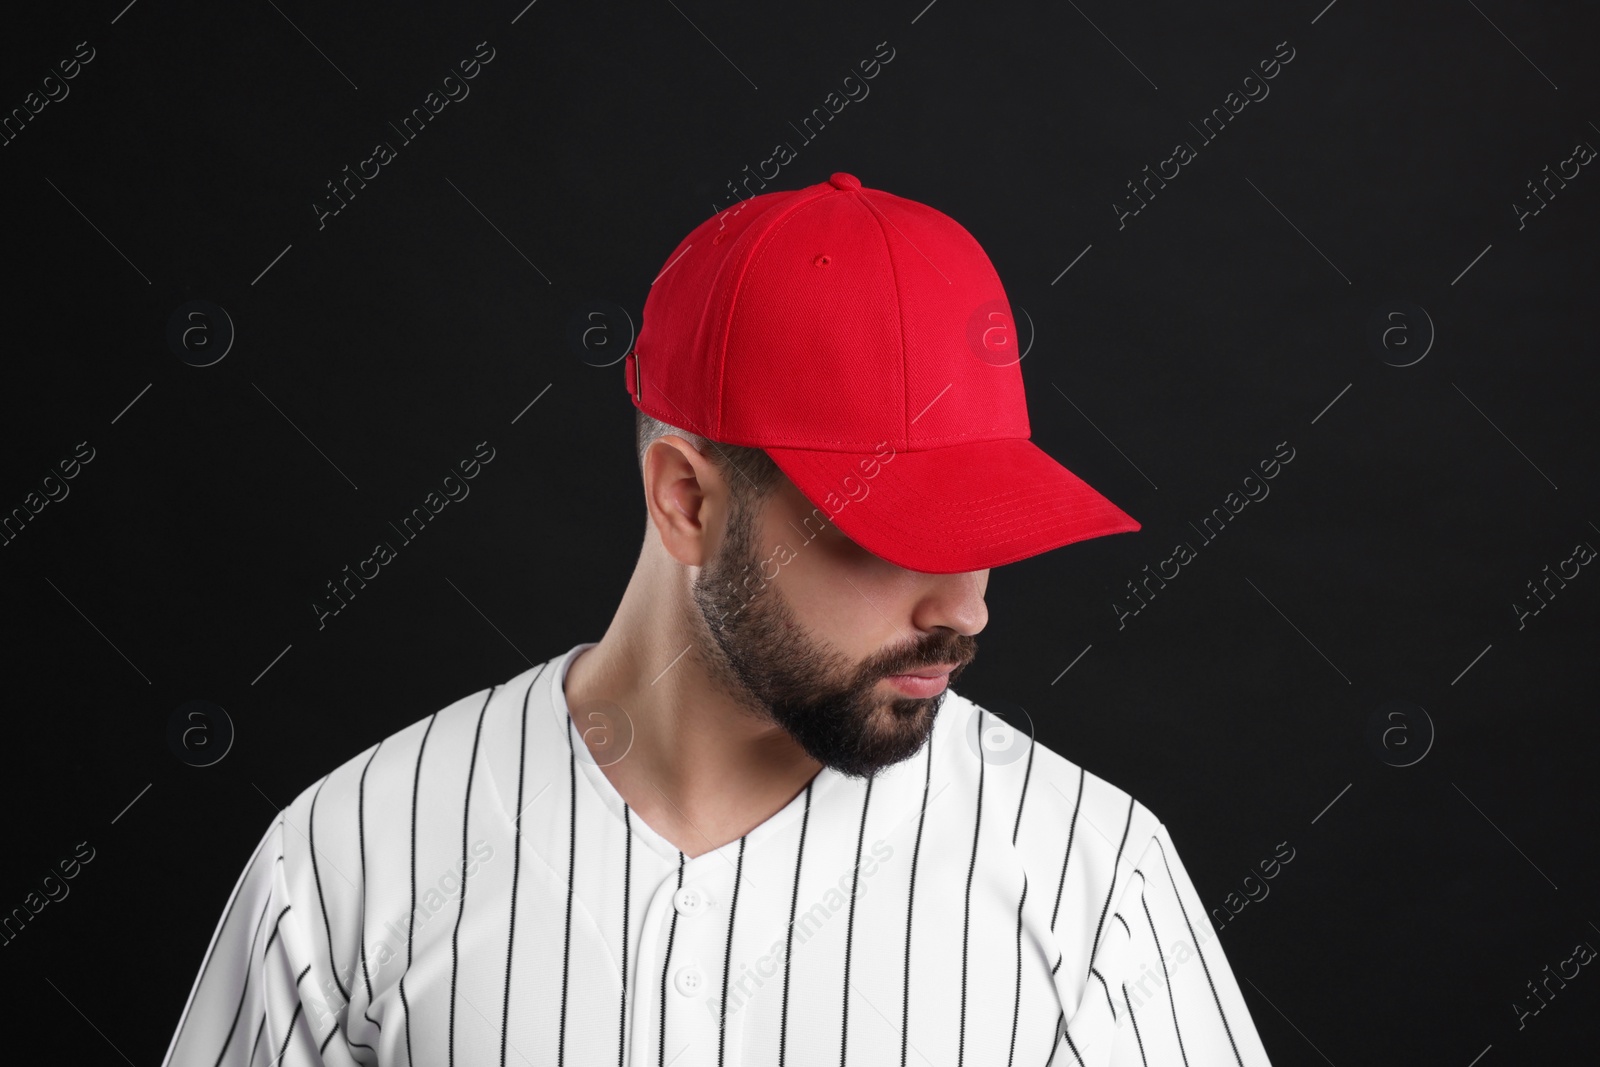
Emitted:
<point x="473" y="891"/>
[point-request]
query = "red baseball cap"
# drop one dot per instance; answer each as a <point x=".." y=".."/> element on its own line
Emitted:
<point x="864" y="342"/>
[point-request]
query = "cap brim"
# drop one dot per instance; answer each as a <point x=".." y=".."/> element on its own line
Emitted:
<point x="965" y="507"/>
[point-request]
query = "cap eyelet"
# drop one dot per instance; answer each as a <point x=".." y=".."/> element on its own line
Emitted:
<point x="822" y="261"/>
<point x="717" y="240"/>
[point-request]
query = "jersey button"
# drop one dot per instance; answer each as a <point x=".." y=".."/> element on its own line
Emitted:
<point x="688" y="901"/>
<point x="687" y="980"/>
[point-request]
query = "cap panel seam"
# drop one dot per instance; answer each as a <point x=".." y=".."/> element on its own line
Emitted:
<point x="900" y="321"/>
<point x="730" y="292"/>
<point x="712" y="428"/>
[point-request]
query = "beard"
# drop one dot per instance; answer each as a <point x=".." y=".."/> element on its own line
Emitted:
<point x="756" y="650"/>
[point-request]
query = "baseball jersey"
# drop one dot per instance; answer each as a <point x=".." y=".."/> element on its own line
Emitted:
<point x="473" y="891"/>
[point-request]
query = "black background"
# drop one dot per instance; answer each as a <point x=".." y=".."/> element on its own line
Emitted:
<point x="1229" y="315"/>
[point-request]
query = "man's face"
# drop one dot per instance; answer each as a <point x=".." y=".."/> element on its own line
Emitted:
<point x="808" y="635"/>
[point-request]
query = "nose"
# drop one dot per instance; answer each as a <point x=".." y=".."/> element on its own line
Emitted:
<point x="953" y="601"/>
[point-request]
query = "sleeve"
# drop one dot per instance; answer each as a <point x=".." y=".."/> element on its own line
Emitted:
<point x="254" y="999"/>
<point x="1162" y="968"/>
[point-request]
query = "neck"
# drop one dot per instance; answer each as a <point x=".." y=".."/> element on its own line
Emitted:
<point x="700" y="768"/>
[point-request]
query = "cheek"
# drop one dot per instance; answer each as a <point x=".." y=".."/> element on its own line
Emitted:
<point x="838" y="591"/>
<point x="845" y="595"/>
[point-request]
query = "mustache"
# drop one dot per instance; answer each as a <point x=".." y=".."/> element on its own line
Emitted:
<point x="959" y="649"/>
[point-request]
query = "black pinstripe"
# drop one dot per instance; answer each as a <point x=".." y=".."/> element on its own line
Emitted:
<point x="262" y="1025"/>
<point x="1196" y="942"/>
<point x="1016" y="1005"/>
<point x="1134" y="1019"/>
<point x="411" y="921"/>
<point x="850" y="925"/>
<point x="911" y="896"/>
<point x="1100" y="926"/>
<point x="727" y="956"/>
<point x="788" y="951"/>
<point x="275" y="924"/>
<point x="966" y="912"/>
<point x="1105" y="987"/>
<point x="461" y="907"/>
<point x="516" y="870"/>
<point x="1072" y="830"/>
<point x="249" y="869"/>
<point x="666" y="964"/>
<point x="311" y="840"/>
<point x="1165" y="977"/>
<point x="287" y="1034"/>
<point x="361" y="839"/>
<point x="1055" y="1039"/>
<point x="240" y="1009"/>
<point x="405" y="1008"/>
<point x="1075" y="1053"/>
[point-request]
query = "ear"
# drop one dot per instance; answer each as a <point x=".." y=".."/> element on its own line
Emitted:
<point x="687" y="499"/>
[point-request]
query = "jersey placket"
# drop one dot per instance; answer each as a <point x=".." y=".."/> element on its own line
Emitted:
<point x="677" y="1013"/>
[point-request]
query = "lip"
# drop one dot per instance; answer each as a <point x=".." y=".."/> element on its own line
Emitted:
<point x="921" y="684"/>
<point x="938" y="670"/>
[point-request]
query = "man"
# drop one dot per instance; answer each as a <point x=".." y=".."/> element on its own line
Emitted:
<point x="752" y="824"/>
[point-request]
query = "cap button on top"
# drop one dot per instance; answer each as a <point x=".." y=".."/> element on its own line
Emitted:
<point x="842" y="180"/>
